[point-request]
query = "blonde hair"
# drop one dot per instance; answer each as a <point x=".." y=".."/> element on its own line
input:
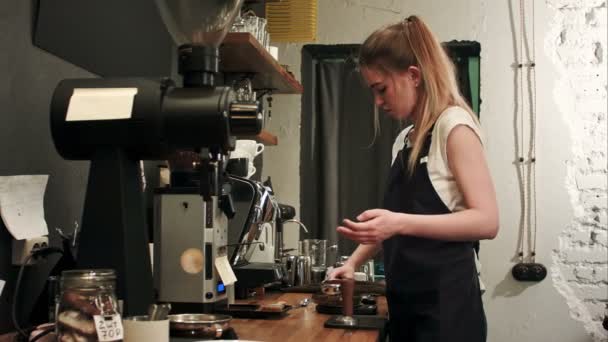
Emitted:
<point x="408" y="43"/>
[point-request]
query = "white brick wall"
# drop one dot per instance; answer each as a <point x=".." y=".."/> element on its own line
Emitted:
<point x="600" y="236"/>
<point x="579" y="50"/>
<point x="584" y="254"/>
<point x="591" y="181"/>
<point x="595" y="200"/>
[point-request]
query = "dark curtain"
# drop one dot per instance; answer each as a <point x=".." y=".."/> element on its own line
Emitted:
<point x="343" y="168"/>
<point x="461" y="52"/>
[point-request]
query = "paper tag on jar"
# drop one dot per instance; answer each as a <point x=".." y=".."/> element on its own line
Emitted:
<point x="109" y="327"/>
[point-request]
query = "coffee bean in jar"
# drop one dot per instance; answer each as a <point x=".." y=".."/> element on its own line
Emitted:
<point x="88" y="309"/>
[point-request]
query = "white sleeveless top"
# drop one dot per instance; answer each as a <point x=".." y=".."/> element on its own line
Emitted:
<point x="439" y="171"/>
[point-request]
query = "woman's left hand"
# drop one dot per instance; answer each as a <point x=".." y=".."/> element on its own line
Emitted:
<point x="374" y="226"/>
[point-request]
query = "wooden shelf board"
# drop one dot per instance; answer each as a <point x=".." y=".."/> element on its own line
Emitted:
<point x="242" y="53"/>
<point x="265" y="138"/>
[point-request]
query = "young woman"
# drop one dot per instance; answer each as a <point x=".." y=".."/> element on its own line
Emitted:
<point x="439" y="198"/>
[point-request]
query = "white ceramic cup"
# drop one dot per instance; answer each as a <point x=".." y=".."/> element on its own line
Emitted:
<point x="274" y="51"/>
<point x="137" y="329"/>
<point x="251" y="146"/>
<point x="236" y="154"/>
<point x="242" y="154"/>
<point x="252" y="170"/>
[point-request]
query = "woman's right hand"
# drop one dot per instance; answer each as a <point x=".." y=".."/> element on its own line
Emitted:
<point x="345" y="271"/>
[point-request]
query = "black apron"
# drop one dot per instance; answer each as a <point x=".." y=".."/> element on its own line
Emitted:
<point x="432" y="286"/>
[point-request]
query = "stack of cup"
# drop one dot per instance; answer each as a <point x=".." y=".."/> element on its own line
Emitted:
<point x="243" y="154"/>
<point x="140" y="328"/>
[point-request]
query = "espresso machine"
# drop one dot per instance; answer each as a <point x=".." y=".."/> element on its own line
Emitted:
<point x="116" y="122"/>
<point x="253" y="236"/>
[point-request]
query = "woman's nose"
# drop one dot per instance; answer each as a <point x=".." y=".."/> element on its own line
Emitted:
<point x="378" y="100"/>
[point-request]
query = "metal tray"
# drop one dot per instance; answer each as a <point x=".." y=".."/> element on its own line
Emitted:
<point x="363" y="322"/>
<point x="361" y="309"/>
<point x="252" y="311"/>
<point x="361" y="287"/>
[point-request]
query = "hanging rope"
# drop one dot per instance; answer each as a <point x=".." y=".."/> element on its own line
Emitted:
<point x="528" y="179"/>
<point x="520" y="114"/>
<point x="532" y="65"/>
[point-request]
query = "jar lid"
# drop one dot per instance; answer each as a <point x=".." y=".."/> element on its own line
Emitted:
<point x="88" y="277"/>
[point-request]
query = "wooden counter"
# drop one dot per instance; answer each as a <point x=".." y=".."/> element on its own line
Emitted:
<point x="302" y="324"/>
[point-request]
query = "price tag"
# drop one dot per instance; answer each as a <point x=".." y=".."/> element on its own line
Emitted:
<point x="109" y="327"/>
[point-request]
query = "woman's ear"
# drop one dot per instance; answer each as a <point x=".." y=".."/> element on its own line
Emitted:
<point x="415" y="75"/>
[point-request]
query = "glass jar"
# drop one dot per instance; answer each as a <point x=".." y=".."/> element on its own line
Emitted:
<point x="317" y="251"/>
<point x="88" y="306"/>
<point x="54" y="291"/>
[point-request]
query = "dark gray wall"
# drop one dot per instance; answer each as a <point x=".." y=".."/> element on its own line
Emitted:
<point x="106" y="37"/>
<point x="29" y="76"/>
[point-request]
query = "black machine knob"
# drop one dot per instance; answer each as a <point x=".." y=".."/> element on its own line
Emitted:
<point x="529" y="272"/>
<point x="227" y="205"/>
<point x="287" y="212"/>
<point x="268" y="183"/>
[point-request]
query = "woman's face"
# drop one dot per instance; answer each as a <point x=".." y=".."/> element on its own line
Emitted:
<point x="394" y="92"/>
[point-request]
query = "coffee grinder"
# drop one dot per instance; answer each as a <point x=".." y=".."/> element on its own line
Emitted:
<point x="115" y="122"/>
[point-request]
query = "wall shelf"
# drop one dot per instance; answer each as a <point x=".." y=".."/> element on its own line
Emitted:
<point x="265" y="138"/>
<point x="241" y="53"/>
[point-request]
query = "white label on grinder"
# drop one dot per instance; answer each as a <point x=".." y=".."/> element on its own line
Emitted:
<point x="2" y="282"/>
<point x="92" y="104"/>
<point x="225" y="270"/>
<point x="109" y="327"/>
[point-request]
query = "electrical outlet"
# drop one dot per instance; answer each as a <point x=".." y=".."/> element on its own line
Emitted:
<point x="529" y="272"/>
<point x="23" y="248"/>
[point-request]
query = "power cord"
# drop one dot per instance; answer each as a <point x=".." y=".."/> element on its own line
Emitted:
<point x="22" y="332"/>
<point x="38" y="253"/>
